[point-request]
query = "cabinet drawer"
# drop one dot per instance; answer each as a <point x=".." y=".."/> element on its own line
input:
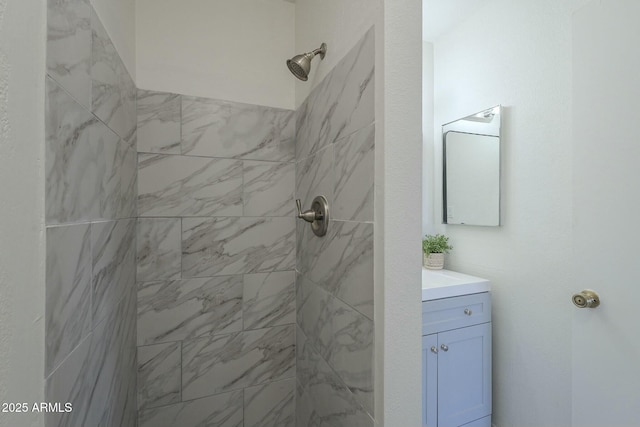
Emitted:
<point x="458" y="312"/>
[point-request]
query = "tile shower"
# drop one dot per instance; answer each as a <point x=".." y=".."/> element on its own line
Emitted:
<point x="91" y="215"/>
<point x="180" y="289"/>
<point x="216" y="262"/>
<point x="335" y="137"/>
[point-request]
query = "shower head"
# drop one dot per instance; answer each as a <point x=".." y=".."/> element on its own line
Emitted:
<point x="300" y="65"/>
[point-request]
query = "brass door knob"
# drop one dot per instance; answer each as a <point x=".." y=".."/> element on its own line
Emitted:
<point x="586" y="299"/>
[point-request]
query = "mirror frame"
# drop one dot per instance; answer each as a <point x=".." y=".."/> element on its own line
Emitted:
<point x="497" y="133"/>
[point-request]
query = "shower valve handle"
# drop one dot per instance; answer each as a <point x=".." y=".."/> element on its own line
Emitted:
<point x="317" y="216"/>
<point x="308" y="215"/>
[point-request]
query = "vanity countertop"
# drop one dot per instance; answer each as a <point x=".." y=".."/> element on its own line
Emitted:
<point x="438" y="284"/>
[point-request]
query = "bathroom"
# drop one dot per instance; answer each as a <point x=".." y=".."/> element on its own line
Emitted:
<point x="152" y="268"/>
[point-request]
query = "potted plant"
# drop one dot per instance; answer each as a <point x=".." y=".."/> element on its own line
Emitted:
<point x="433" y="250"/>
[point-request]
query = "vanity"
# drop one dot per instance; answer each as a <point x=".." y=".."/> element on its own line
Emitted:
<point x="456" y="350"/>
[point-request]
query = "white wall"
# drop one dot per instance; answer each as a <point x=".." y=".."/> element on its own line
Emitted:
<point x="518" y="54"/>
<point x="225" y="49"/>
<point x="429" y="217"/>
<point x="338" y="23"/>
<point x="119" y="19"/>
<point x="22" y="69"/>
<point x="398" y="216"/>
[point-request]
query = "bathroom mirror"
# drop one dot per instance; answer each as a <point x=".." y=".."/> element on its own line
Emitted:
<point x="471" y="169"/>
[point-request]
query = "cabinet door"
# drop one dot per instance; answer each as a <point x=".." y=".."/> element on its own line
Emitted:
<point x="464" y="375"/>
<point x="430" y="381"/>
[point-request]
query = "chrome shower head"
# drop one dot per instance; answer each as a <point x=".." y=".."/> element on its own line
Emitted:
<point x="300" y="65"/>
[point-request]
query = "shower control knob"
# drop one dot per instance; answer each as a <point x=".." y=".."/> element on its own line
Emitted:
<point x="308" y="215"/>
<point x="586" y="299"/>
<point x="318" y="215"/>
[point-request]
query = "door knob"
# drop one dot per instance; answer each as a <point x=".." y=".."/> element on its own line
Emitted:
<point x="444" y="347"/>
<point x="434" y="349"/>
<point x="586" y="299"/>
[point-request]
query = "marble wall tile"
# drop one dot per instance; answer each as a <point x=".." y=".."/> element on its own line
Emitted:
<point x="342" y="336"/>
<point x="345" y="341"/>
<point x="232" y="245"/>
<point x="112" y="89"/>
<point x="72" y="382"/>
<point x="230" y="362"/>
<point x="128" y="203"/>
<point x="117" y="167"/>
<point x="304" y="369"/>
<point x="68" y="291"/>
<point x="73" y="184"/>
<point x="216" y="128"/>
<point x="341" y="262"/>
<point x="315" y="177"/>
<point x="270" y="405"/>
<point x="268" y="188"/>
<point x="311" y="307"/>
<point x="341" y="104"/>
<point x="187" y="309"/>
<point x="269" y="299"/>
<point x="113" y="357"/>
<point x="307" y="361"/>
<point x="240" y="201"/>
<point x="304" y="406"/>
<point x="222" y="410"/>
<point x="159" y="249"/>
<point x="133" y="143"/>
<point x="159" y="375"/>
<point x="69" y="47"/>
<point x="289" y="260"/>
<point x="159" y="117"/>
<point x="322" y="398"/>
<point x="188" y="186"/>
<point x="354" y="176"/>
<point x="114" y="268"/>
<point x="91" y="171"/>
<point x="335" y="137"/>
<point x="99" y="376"/>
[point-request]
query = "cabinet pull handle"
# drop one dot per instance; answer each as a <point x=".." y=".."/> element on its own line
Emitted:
<point x="434" y="349"/>
<point x="444" y="347"/>
<point x="468" y="312"/>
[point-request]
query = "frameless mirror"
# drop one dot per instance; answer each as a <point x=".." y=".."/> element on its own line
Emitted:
<point x="471" y="169"/>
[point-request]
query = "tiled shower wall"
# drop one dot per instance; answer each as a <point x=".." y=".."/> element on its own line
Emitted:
<point x="215" y="303"/>
<point x="335" y="137"/>
<point x="216" y="260"/>
<point x="90" y="216"/>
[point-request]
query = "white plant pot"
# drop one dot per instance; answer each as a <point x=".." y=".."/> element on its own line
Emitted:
<point x="433" y="261"/>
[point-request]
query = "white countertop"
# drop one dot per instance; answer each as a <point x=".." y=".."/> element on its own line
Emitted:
<point x="438" y="284"/>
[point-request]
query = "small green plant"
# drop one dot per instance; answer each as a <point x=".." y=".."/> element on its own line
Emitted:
<point x="438" y="244"/>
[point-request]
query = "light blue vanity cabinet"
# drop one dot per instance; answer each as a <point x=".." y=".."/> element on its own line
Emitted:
<point x="456" y="358"/>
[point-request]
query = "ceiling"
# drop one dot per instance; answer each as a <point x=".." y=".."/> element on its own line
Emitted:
<point x="438" y="16"/>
